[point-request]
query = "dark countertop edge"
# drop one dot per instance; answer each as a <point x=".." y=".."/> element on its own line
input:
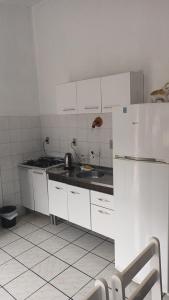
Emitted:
<point x="82" y="184"/>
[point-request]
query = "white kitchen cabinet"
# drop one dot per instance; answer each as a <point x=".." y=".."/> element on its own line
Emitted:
<point x="103" y="221"/>
<point x="89" y="96"/>
<point x="102" y="199"/>
<point x="79" y="206"/>
<point x="26" y="184"/>
<point x="121" y="89"/>
<point x="66" y="98"/>
<point x="40" y="191"/>
<point x="58" y="198"/>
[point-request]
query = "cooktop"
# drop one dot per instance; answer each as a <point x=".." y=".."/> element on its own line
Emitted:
<point x="44" y="162"/>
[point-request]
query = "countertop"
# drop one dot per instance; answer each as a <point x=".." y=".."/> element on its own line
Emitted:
<point x="103" y="184"/>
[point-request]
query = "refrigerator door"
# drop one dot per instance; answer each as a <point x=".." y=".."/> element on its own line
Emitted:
<point x="142" y="130"/>
<point x="141" y="210"/>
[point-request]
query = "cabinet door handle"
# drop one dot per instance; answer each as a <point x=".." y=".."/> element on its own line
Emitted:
<point x="75" y="193"/>
<point x="58" y="188"/>
<point x="103" y="200"/>
<point x="91" y="107"/>
<point x="68" y="109"/>
<point x="36" y="172"/>
<point x="103" y="212"/>
<point x="107" y="106"/>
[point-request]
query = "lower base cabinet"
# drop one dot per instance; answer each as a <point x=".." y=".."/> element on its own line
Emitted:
<point x="103" y="221"/>
<point x="80" y="206"/>
<point x="34" y="192"/>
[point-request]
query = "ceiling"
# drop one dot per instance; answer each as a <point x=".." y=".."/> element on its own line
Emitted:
<point x="23" y="2"/>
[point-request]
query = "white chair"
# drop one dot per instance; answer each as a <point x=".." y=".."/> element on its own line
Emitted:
<point x="152" y="281"/>
<point x="99" y="292"/>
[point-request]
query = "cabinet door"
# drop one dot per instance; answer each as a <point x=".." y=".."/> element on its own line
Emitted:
<point x="115" y="90"/>
<point x="66" y="98"/>
<point x="103" y="221"/>
<point x="79" y="206"/>
<point x="89" y="96"/>
<point x="58" y="199"/>
<point x="40" y="191"/>
<point x="26" y="183"/>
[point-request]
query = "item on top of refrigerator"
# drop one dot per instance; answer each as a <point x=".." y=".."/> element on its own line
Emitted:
<point x="160" y="95"/>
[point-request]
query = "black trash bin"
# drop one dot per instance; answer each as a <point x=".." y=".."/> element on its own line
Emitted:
<point x="8" y="216"/>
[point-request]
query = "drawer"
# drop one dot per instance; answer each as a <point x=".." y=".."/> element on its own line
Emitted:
<point x="57" y="185"/>
<point x="101" y="199"/>
<point x="103" y="221"/>
<point x="77" y="190"/>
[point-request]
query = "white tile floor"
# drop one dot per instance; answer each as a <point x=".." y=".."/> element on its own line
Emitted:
<point x="55" y="262"/>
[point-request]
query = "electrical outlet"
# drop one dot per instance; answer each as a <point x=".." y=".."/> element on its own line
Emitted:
<point x="47" y="140"/>
<point x="74" y="142"/>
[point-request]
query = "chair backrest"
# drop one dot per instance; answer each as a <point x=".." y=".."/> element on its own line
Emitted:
<point x="99" y="292"/>
<point x="152" y="281"/>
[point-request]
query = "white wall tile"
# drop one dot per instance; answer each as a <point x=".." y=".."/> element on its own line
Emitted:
<point x="6" y="163"/>
<point x="14" y="122"/>
<point x="82" y="121"/>
<point x="15" y="135"/>
<point x="82" y="134"/>
<point x="79" y="127"/>
<point x="4" y="136"/>
<point x="20" y="138"/>
<point x="4" y="150"/>
<point x="4" y="123"/>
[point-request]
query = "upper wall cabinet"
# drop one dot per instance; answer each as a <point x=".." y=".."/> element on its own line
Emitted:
<point x="89" y="96"/>
<point x="98" y="95"/>
<point x="66" y="98"/>
<point x="121" y="89"/>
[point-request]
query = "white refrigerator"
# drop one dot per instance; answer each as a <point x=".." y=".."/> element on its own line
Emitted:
<point x="141" y="182"/>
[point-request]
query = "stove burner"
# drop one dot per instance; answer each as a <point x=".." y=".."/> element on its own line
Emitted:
<point x="44" y="162"/>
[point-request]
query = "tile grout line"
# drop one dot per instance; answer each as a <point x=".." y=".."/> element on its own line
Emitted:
<point x="49" y="282"/>
<point x="9" y="293"/>
<point x="29" y="269"/>
<point x="69" y="265"/>
<point x="69" y="243"/>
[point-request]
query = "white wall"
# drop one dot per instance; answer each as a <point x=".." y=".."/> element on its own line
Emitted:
<point x="79" y="39"/>
<point x="18" y="82"/>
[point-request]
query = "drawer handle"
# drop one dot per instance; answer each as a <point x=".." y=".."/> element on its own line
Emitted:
<point x="36" y="172"/>
<point x="103" y="200"/>
<point x="75" y="193"/>
<point x="68" y="109"/>
<point x="103" y="212"/>
<point x="108" y="106"/>
<point x="58" y="188"/>
<point x="91" y="107"/>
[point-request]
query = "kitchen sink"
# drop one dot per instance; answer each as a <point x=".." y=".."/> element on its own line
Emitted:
<point x="90" y="174"/>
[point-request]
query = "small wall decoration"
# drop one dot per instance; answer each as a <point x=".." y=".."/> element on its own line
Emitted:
<point x="97" y="122"/>
<point x="161" y="95"/>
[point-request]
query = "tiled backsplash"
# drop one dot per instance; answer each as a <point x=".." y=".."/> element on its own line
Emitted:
<point x="20" y="139"/>
<point x="61" y="129"/>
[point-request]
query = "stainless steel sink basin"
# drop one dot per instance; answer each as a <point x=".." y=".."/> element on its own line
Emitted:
<point x="90" y="174"/>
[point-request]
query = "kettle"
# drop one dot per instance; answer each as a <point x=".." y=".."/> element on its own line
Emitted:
<point x="68" y="161"/>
